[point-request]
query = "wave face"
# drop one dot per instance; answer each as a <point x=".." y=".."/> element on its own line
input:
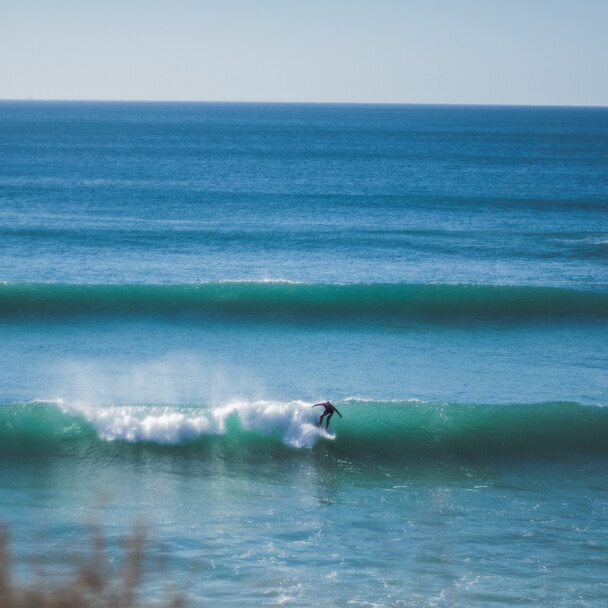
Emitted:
<point x="396" y="431"/>
<point x="302" y="302"/>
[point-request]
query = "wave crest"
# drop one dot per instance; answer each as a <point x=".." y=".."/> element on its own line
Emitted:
<point x="302" y="302"/>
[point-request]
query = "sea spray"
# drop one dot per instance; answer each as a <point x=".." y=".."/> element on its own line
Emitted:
<point x="175" y="378"/>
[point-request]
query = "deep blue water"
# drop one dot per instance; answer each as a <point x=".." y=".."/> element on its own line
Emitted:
<point x="180" y="282"/>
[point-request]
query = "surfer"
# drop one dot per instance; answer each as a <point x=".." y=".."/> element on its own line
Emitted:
<point x="329" y="412"/>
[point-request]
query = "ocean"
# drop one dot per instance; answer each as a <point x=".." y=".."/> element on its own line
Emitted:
<point x="181" y="282"/>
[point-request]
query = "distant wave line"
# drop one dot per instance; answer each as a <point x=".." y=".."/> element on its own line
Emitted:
<point x="276" y="300"/>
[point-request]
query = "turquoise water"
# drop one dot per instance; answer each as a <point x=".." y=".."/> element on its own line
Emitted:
<point x="181" y="282"/>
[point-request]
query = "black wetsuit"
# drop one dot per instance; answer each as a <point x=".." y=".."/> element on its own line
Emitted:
<point x="329" y="412"/>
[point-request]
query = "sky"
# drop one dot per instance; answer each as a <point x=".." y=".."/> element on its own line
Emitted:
<point x="529" y="52"/>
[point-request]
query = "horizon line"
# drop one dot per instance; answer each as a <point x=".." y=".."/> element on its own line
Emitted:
<point x="311" y="103"/>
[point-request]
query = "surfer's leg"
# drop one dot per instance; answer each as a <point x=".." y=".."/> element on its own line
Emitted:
<point x="328" y="419"/>
<point x="321" y="419"/>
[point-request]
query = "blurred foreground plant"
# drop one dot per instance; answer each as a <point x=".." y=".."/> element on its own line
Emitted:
<point x="92" y="584"/>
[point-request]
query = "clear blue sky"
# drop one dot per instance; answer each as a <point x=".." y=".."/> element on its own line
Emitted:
<point x="389" y="51"/>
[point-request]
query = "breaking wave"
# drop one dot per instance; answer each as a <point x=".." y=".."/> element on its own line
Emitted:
<point x="398" y="430"/>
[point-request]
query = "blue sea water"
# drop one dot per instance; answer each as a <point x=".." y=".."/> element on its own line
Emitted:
<point x="181" y="282"/>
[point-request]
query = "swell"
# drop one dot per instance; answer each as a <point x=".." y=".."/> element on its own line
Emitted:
<point x="302" y="302"/>
<point x="394" y="431"/>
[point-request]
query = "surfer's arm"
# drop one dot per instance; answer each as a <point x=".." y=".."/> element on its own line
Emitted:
<point x="315" y="405"/>
<point x="339" y="414"/>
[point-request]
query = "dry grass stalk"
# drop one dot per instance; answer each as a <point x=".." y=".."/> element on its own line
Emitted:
<point x="92" y="584"/>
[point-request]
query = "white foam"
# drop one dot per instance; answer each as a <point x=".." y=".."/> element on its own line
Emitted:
<point x="140" y="423"/>
<point x="173" y="425"/>
<point x="293" y="420"/>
